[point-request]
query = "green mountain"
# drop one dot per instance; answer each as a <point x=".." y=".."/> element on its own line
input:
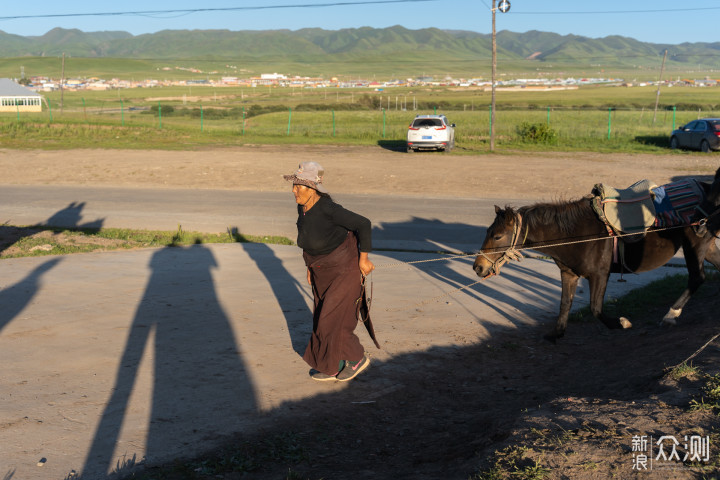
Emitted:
<point x="393" y="44"/>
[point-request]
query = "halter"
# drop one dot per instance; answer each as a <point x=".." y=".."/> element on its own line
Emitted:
<point x="700" y="226"/>
<point x="511" y="253"/>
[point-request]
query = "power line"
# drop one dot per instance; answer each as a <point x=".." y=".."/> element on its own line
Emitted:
<point x="602" y="12"/>
<point x="203" y="10"/>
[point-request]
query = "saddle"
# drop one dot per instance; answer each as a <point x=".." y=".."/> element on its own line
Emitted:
<point x="628" y="212"/>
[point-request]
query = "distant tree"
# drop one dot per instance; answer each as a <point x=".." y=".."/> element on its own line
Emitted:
<point x="24" y="81"/>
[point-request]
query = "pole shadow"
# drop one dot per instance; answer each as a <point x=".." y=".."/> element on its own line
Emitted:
<point x="181" y="327"/>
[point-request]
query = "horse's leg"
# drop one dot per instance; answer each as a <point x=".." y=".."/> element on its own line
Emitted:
<point x="569" y="283"/>
<point x="598" y="286"/>
<point x="696" y="277"/>
<point x="713" y="254"/>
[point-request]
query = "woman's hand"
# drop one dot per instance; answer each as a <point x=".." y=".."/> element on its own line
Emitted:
<point x="309" y="276"/>
<point x="366" y="266"/>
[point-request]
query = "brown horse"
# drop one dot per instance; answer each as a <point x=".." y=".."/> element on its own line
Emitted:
<point x="573" y="235"/>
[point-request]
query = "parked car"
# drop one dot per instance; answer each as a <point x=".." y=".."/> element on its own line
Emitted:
<point x="702" y="134"/>
<point x="430" y="132"/>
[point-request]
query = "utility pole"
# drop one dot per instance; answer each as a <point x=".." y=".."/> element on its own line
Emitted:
<point x="657" y="97"/>
<point x="62" y="81"/>
<point x="492" y="80"/>
<point x="504" y="6"/>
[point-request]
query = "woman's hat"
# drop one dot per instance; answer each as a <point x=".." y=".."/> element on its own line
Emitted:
<point x="309" y="174"/>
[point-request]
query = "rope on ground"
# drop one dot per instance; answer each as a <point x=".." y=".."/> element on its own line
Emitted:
<point x="684" y="362"/>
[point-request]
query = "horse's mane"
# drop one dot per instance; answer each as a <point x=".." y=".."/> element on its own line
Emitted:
<point x="566" y="215"/>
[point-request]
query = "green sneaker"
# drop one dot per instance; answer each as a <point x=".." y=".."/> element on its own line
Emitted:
<point x="352" y="370"/>
<point x="322" y="377"/>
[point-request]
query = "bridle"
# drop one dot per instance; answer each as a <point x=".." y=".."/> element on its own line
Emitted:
<point x="510" y="253"/>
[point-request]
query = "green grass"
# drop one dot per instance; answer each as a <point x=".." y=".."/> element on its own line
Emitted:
<point x="40" y="240"/>
<point x="683" y="371"/>
<point x="710" y="398"/>
<point x="596" y="118"/>
<point x="659" y="292"/>
<point x="371" y="67"/>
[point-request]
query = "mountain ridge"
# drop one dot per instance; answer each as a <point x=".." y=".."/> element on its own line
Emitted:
<point x="361" y="44"/>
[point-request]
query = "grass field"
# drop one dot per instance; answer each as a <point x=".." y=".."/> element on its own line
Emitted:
<point x="374" y="67"/>
<point x="600" y="118"/>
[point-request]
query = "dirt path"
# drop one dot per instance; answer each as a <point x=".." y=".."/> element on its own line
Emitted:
<point x="363" y="170"/>
<point x="514" y="404"/>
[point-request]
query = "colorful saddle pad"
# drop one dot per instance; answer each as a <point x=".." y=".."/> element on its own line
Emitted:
<point x="675" y="203"/>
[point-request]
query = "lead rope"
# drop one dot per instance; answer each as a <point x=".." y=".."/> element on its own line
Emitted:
<point x="511" y="253"/>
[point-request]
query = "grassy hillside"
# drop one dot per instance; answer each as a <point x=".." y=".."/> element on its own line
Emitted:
<point x="365" y="51"/>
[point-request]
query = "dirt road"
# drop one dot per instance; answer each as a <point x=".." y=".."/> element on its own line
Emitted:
<point x="364" y="170"/>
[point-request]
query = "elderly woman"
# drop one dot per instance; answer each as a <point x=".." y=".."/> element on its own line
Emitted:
<point x="335" y="244"/>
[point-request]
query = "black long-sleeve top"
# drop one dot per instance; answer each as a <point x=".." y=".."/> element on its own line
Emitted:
<point x="324" y="227"/>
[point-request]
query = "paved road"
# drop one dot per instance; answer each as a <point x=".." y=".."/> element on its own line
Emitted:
<point x="415" y="223"/>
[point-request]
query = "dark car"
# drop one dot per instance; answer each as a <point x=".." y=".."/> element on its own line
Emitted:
<point x="702" y="134"/>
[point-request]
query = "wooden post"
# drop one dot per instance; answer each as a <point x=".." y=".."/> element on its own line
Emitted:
<point x="62" y="81"/>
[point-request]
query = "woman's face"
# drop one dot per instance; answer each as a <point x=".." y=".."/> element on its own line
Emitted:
<point x="303" y="194"/>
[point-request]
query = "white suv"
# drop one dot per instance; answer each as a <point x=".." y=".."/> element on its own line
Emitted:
<point x="431" y="132"/>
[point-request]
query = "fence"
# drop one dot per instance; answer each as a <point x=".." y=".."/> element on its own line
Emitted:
<point x="570" y="124"/>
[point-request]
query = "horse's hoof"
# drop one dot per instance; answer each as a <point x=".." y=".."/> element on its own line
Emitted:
<point x="625" y="323"/>
<point x="671" y="315"/>
<point x="552" y="337"/>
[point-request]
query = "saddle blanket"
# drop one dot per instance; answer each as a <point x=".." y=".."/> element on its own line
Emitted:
<point x="675" y="203"/>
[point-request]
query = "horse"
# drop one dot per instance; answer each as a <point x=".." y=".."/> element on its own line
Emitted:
<point x="572" y="234"/>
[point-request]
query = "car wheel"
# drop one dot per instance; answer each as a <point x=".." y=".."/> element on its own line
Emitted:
<point x="410" y="150"/>
<point x="705" y="146"/>
<point x="674" y="143"/>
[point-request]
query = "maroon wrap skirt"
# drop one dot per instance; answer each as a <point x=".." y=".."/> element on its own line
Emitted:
<point x="337" y="287"/>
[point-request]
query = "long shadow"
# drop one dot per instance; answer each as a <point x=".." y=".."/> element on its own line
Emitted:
<point x="15" y="298"/>
<point x="71" y="216"/>
<point x="68" y="217"/>
<point x="292" y="297"/>
<point x="179" y="314"/>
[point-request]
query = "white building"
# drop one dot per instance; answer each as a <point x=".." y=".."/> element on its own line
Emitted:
<point x="16" y="98"/>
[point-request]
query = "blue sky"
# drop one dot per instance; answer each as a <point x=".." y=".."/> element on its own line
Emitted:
<point x="657" y="21"/>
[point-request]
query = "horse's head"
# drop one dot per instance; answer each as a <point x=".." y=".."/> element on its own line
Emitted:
<point x="708" y="212"/>
<point x="500" y="240"/>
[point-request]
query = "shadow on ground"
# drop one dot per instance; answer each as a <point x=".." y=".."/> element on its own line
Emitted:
<point x="14" y="298"/>
<point x="444" y="413"/>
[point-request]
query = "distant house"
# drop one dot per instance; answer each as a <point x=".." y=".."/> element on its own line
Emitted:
<point x="16" y="98"/>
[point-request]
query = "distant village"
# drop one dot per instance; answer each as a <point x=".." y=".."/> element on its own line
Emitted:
<point x="45" y="84"/>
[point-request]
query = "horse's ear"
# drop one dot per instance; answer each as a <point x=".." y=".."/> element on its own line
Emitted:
<point x="497" y="209"/>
